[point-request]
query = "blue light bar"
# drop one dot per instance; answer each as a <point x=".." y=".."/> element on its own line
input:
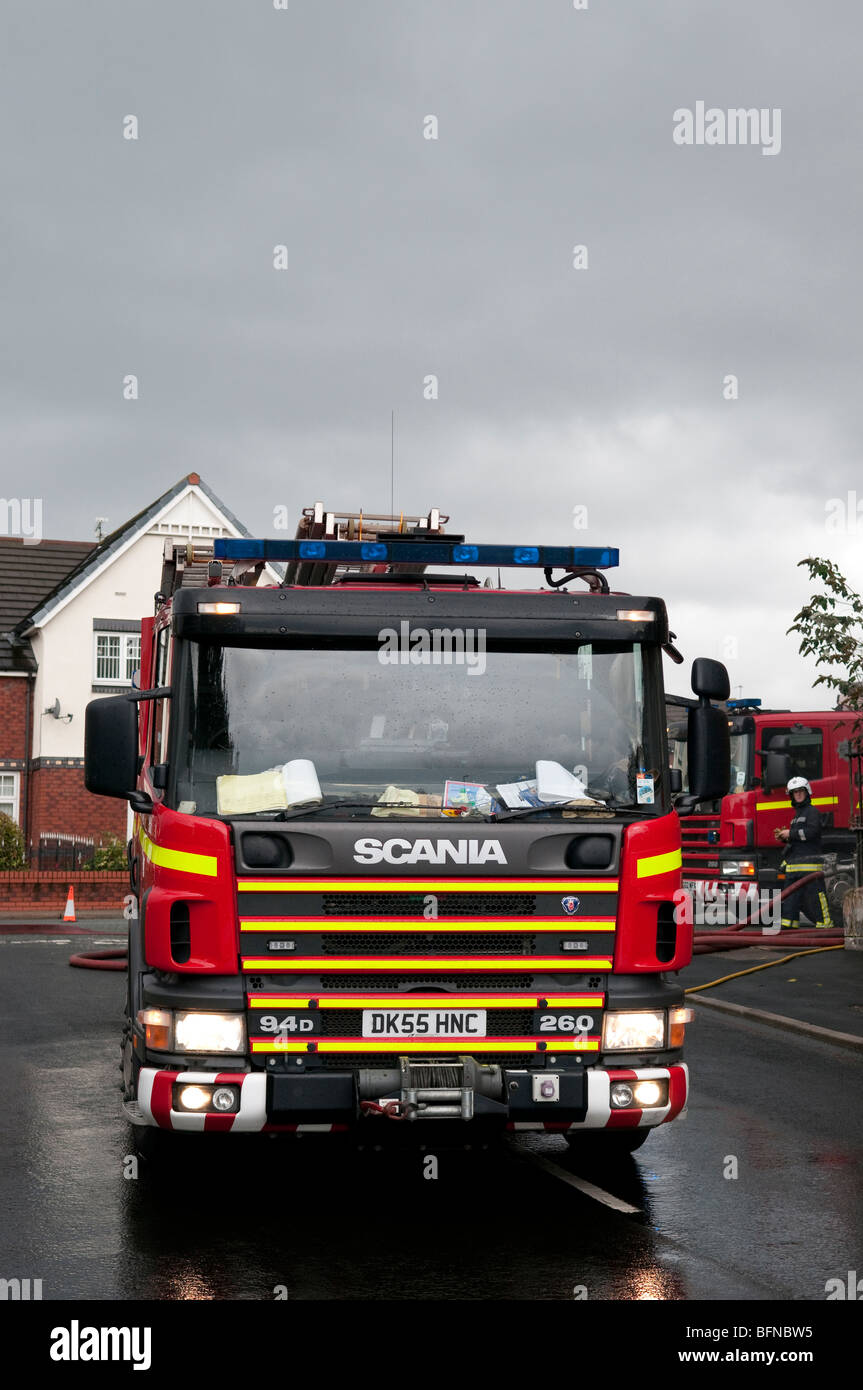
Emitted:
<point x="742" y="704"/>
<point x="594" y="557"/>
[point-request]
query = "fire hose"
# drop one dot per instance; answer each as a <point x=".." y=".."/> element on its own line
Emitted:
<point x="694" y="989"/>
<point x="731" y="937"/>
<point x="113" y="959"/>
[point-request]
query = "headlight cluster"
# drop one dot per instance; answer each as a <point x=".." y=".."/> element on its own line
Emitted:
<point x="738" y="868"/>
<point x="170" y="1030"/>
<point x="643" y="1029"/>
<point x="633" y="1032"/>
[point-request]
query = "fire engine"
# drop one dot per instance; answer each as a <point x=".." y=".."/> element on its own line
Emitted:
<point x="730" y="854"/>
<point x="404" y="846"/>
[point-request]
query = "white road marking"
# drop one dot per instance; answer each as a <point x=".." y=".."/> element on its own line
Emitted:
<point x="587" y="1188"/>
<point x="62" y="941"/>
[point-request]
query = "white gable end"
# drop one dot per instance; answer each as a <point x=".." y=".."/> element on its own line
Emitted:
<point x="120" y="589"/>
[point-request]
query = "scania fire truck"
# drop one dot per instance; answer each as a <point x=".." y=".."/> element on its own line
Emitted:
<point x="731" y="856"/>
<point x="403" y="846"/>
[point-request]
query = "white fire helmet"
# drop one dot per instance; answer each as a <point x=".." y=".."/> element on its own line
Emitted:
<point x="799" y="784"/>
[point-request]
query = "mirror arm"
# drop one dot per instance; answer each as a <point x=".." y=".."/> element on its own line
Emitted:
<point x="162" y="692"/>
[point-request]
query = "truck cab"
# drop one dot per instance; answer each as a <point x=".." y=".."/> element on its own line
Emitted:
<point x="404" y="843"/>
<point x="729" y="848"/>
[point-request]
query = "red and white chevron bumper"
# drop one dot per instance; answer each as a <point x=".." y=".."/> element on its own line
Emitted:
<point x="156" y="1088"/>
<point x="601" y="1114"/>
<point x="155" y="1091"/>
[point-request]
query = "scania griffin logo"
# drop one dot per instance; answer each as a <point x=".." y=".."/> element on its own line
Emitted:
<point x="429" y="851"/>
<point x="569" y="904"/>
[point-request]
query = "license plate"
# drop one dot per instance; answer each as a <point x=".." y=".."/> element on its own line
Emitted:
<point x="424" y="1023"/>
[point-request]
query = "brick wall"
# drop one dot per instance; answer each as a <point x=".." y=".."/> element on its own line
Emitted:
<point x="60" y="805"/>
<point x="14" y="691"/>
<point x="22" y="889"/>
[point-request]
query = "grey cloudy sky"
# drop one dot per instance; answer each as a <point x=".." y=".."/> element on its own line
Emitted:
<point x="557" y="387"/>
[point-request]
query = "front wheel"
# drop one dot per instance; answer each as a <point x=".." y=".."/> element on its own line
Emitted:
<point x="606" y="1143"/>
<point x="148" y="1142"/>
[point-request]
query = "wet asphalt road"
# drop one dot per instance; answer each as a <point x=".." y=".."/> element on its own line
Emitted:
<point x="238" y="1217"/>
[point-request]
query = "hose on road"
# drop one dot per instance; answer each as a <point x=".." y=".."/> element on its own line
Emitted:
<point x="113" y="959"/>
<point x="707" y="942"/>
<point x="693" y="989"/>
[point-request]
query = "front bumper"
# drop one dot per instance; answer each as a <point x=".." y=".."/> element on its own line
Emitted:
<point x="338" y="1109"/>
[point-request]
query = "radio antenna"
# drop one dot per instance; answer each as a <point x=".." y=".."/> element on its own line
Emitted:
<point x="392" y="461"/>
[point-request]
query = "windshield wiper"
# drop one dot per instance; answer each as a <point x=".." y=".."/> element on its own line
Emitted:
<point x="537" y="810"/>
<point x="611" y="805"/>
<point x="343" y="805"/>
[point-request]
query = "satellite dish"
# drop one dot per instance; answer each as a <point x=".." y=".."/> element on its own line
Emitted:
<point x="54" y="709"/>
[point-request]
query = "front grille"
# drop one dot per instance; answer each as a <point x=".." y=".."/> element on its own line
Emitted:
<point x="412" y="904"/>
<point x="379" y="1061"/>
<point x="472" y="981"/>
<point x="427" y="943"/>
<point x="502" y="1023"/>
<point x="694" y="836"/>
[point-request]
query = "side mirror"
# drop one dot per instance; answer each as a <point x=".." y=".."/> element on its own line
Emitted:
<point x="111" y="748"/>
<point x="709" y="753"/>
<point x="675" y="780"/>
<point x="777" y="769"/>
<point x="710" y="679"/>
<point x="708" y="740"/>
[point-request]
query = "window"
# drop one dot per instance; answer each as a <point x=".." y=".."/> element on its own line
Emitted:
<point x="804" y="747"/>
<point x="133" y="656"/>
<point x="9" y="794"/>
<point x="117" y="657"/>
<point x="160" y="711"/>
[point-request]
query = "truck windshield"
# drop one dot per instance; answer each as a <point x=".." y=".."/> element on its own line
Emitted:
<point x="441" y="735"/>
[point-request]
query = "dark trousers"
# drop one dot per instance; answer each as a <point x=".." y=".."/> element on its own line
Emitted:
<point x="811" y="898"/>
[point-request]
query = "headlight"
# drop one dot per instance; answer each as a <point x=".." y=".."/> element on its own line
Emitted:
<point x="739" y="868"/>
<point x="633" y="1032"/>
<point x="197" y="1032"/>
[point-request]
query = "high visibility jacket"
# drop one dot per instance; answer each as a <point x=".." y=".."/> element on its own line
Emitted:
<point x="804" y="838"/>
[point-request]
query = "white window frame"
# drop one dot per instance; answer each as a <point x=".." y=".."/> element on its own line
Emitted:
<point x="16" y="793"/>
<point x="125" y="639"/>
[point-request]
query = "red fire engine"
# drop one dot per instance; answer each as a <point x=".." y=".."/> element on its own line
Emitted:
<point x="729" y="848"/>
<point x="404" y="845"/>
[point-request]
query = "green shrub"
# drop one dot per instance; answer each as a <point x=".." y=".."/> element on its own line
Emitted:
<point x="110" y="854"/>
<point x="12" y="854"/>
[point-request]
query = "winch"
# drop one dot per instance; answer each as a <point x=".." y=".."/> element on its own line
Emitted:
<point x="429" y="1088"/>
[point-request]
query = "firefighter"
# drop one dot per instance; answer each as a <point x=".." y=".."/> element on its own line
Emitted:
<point x="803" y="856"/>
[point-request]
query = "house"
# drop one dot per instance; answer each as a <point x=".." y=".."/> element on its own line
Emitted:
<point x="70" y="623"/>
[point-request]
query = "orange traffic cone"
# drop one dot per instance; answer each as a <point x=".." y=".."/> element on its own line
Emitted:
<point x="69" y="914"/>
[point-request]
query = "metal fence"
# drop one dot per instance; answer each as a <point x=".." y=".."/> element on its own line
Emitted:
<point x="62" y="851"/>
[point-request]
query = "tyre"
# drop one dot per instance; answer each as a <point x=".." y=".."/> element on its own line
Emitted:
<point x="606" y="1143"/>
<point x="148" y="1142"/>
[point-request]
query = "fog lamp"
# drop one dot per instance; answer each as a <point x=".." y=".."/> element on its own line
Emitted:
<point x="195" y="1097"/>
<point x="647" y="1093"/>
<point x="621" y="1095"/>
